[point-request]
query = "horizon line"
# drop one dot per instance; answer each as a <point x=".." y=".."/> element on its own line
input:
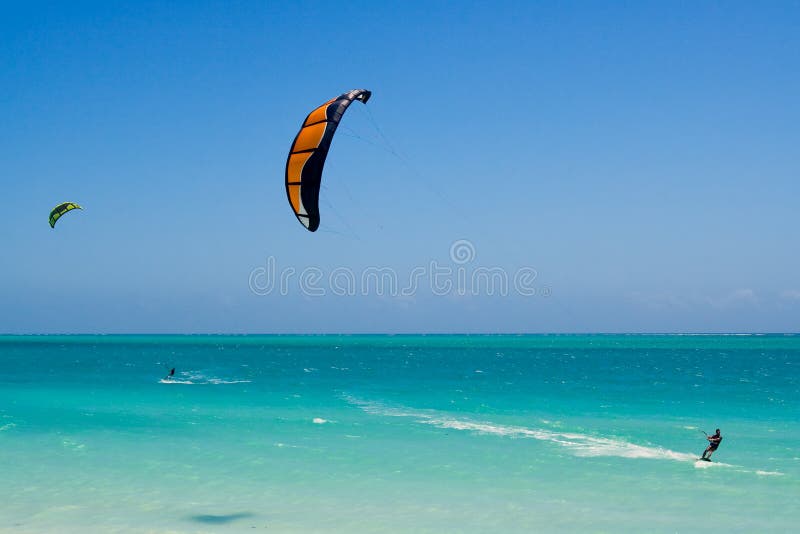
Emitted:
<point x="299" y="334"/>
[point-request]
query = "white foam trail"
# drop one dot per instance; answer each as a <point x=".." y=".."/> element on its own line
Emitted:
<point x="221" y="381"/>
<point x="319" y="421"/>
<point x="199" y="379"/>
<point x="578" y="444"/>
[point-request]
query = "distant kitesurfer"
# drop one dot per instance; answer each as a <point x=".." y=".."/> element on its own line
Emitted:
<point x="171" y="374"/>
<point x="713" y="443"/>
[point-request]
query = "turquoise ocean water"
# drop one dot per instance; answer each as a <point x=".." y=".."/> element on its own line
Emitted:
<point x="398" y="433"/>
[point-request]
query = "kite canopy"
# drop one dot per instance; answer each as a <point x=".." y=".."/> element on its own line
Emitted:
<point x="60" y="210"/>
<point x="308" y="153"/>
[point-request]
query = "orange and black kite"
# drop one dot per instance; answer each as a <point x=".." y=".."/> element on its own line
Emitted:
<point x="308" y="153"/>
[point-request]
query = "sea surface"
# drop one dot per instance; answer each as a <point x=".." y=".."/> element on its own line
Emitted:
<point x="551" y="433"/>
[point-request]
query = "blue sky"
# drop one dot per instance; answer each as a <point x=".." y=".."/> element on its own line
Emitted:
<point x="640" y="156"/>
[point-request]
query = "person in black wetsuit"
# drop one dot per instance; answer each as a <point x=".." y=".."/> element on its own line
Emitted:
<point x="713" y="442"/>
<point x="171" y="374"/>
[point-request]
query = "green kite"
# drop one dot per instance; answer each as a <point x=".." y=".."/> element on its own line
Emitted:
<point x="60" y="210"/>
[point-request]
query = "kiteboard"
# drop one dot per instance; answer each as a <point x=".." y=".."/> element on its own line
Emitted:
<point x="704" y="459"/>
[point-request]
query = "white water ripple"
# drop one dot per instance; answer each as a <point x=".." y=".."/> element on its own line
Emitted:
<point x="578" y="444"/>
<point x="195" y="378"/>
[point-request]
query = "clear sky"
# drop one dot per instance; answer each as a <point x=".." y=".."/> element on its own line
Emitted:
<point x="641" y="157"/>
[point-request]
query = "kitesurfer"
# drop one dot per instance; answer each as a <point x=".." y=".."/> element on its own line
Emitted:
<point x="171" y="374"/>
<point x="713" y="443"/>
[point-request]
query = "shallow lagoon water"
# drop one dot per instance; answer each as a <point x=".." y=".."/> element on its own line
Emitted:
<point x="398" y="433"/>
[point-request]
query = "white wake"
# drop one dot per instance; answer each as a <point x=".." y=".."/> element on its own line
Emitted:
<point x="578" y="444"/>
